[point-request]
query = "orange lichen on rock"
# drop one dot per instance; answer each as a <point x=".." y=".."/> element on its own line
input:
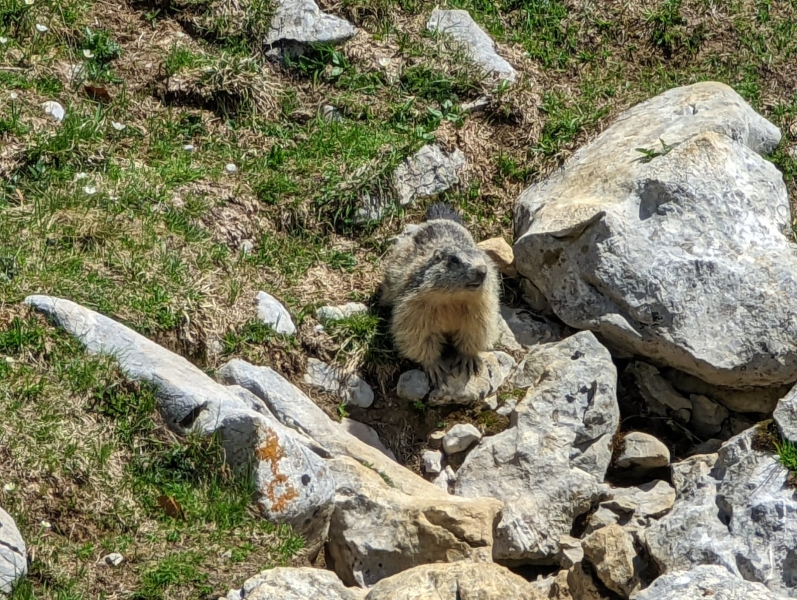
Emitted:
<point x="272" y="452"/>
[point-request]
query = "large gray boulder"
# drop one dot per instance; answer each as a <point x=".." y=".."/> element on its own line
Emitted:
<point x="548" y="467"/>
<point x="735" y="509"/>
<point x="13" y="555"/>
<point x="301" y="22"/>
<point x="293" y="484"/>
<point x="286" y="583"/>
<point x="683" y="253"/>
<point x="704" y="583"/>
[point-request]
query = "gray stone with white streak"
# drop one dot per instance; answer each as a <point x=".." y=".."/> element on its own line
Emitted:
<point x="480" y="48"/>
<point x="271" y="312"/>
<point x="13" y="554"/>
<point x="460" y="437"/>
<point x="705" y="582"/>
<point x="685" y="257"/>
<point x="301" y="22"/>
<point x="548" y="467"/>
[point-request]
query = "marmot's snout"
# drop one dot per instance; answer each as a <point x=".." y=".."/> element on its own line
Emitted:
<point x="477" y="276"/>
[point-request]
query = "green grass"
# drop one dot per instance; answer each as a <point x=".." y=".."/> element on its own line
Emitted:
<point x="787" y="455"/>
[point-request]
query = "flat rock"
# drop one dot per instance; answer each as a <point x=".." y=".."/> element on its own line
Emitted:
<point x="289" y="583"/>
<point x="529" y="328"/>
<point x="302" y="22"/>
<point x="663" y="253"/>
<point x="642" y="451"/>
<point x="746" y="400"/>
<point x="653" y="499"/>
<point x="659" y="394"/>
<point x="501" y="253"/>
<point x="291" y="481"/>
<point x="428" y="172"/>
<point x="460" y="437"/>
<point x="378" y="531"/>
<point x="460" y="389"/>
<point x="328" y="314"/>
<point x="480" y="48"/>
<point x="785" y="416"/>
<point x="366" y="434"/>
<point x="351" y="388"/>
<point x="548" y="467"/>
<point x="13" y="554"/>
<point x="734" y="509"/>
<point x="456" y="581"/>
<point x="271" y="312"/>
<point x="703" y="582"/>
<point x="413" y="385"/>
<point x="611" y="551"/>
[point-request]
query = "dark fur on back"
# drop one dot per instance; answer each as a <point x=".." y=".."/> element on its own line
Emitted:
<point x="441" y="210"/>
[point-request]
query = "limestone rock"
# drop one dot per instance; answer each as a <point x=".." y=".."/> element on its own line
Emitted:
<point x="643" y="451"/>
<point x="327" y="314"/>
<point x="432" y="462"/>
<point x="429" y="172"/>
<point x="301" y="22"/>
<point x="734" y="509"/>
<point x="13" y="554"/>
<point x="456" y="581"/>
<point x="745" y="400"/>
<point x="649" y="500"/>
<point x="114" y="559"/>
<point x="659" y="394"/>
<point x="611" y="551"/>
<point x="785" y="416"/>
<point x="664" y="254"/>
<point x="501" y="253"/>
<point x="548" y="467"/>
<point x="460" y="26"/>
<point x="293" y="485"/>
<point x="351" y="388"/>
<point x="460" y="437"/>
<point x="366" y="434"/>
<point x="413" y="385"/>
<point x="707" y="415"/>
<point x="288" y="583"/>
<point x="446" y="479"/>
<point x="271" y="312"/>
<point x="705" y="582"/>
<point x="530" y="329"/>
<point x="471" y="391"/>
<point x="378" y="531"/>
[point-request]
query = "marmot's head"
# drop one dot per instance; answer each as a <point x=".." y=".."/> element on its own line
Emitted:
<point x="456" y="270"/>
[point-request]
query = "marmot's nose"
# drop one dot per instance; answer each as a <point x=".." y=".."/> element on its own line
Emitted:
<point x="479" y="273"/>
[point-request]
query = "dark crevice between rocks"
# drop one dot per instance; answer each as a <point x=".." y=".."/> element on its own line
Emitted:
<point x="534" y="572"/>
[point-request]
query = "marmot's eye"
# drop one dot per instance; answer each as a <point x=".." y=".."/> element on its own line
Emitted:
<point x="454" y="260"/>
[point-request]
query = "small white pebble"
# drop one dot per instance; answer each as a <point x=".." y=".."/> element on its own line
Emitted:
<point x="28" y="2"/>
<point x="13" y="95"/>
<point x="3" y="40"/>
<point x="41" y="28"/>
<point x="46" y="524"/>
<point x="55" y="110"/>
<point x="384" y="62"/>
<point x="247" y="246"/>
<point x="230" y="168"/>
<point x="118" y="126"/>
<point x="88" y="53"/>
<point x="114" y="559"/>
<point x="9" y="487"/>
<point x="90" y="190"/>
<point x="189" y="148"/>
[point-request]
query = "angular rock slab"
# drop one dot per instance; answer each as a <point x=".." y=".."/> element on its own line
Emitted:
<point x="285" y="583"/>
<point x="785" y="416"/>
<point x="378" y="531"/>
<point x="734" y="509"/>
<point x="480" y="48"/>
<point x="293" y="485"/>
<point x="682" y="254"/>
<point x="457" y="581"/>
<point x="13" y="554"/>
<point x="428" y="172"/>
<point x="548" y="467"/>
<point x="705" y="582"/>
<point x="302" y="22"/>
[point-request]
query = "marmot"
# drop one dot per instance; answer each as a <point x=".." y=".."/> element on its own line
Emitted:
<point x="444" y="293"/>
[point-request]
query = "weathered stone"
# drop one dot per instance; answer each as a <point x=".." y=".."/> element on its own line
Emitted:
<point x="703" y="583"/>
<point x="328" y="314"/>
<point x="707" y="415"/>
<point x="745" y="400"/>
<point x="660" y="396"/>
<point x="643" y="451"/>
<point x="549" y="465"/>
<point x="653" y="499"/>
<point x="460" y="437"/>
<point x="286" y="583"/>
<point x="446" y="479"/>
<point x="274" y="314"/>
<point x="413" y="385"/>
<point x="301" y="22"/>
<point x="571" y="551"/>
<point x="429" y="172"/>
<point x="378" y="531"/>
<point x="480" y="48"/>
<point x="13" y="554"/>
<point x="785" y="416"/>
<point x="432" y="462"/>
<point x="366" y="434"/>
<point x="734" y="509"/>
<point x="459" y="388"/>
<point x="351" y="388"/>
<point x="457" y="581"/>
<point x="293" y="485"/>
<point x="114" y="559"/>
<point x="530" y="329"/>
<point x="435" y="439"/>
<point x="683" y="254"/>
<point x="501" y="253"/>
<point x="611" y="551"/>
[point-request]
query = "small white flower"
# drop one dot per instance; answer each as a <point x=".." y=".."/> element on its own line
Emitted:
<point x="189" y="148"/>
<point x="3" y="40"/>
<point x="79" y="176"/>
<point x="55" y="110"/>
<point x="41" y="28"/>
<point x="13" y="95"/>
<point x="9" y="487"/>
<point x="88" y="53"/>
<point x="46" y="524"/>
<point x="90" y="190"/>
<point x="118" y="126"/>
<point x="28" y="2"/>
<point x="230" y="168"/>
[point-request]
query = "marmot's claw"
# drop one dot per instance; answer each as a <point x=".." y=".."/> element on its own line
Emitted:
<point x="436" y="375"/>
<point x="470" y="365"/>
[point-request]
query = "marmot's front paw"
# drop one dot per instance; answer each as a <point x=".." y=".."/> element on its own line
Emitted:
<point x="436" y="373"/>
<point x="470" y="365"/>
